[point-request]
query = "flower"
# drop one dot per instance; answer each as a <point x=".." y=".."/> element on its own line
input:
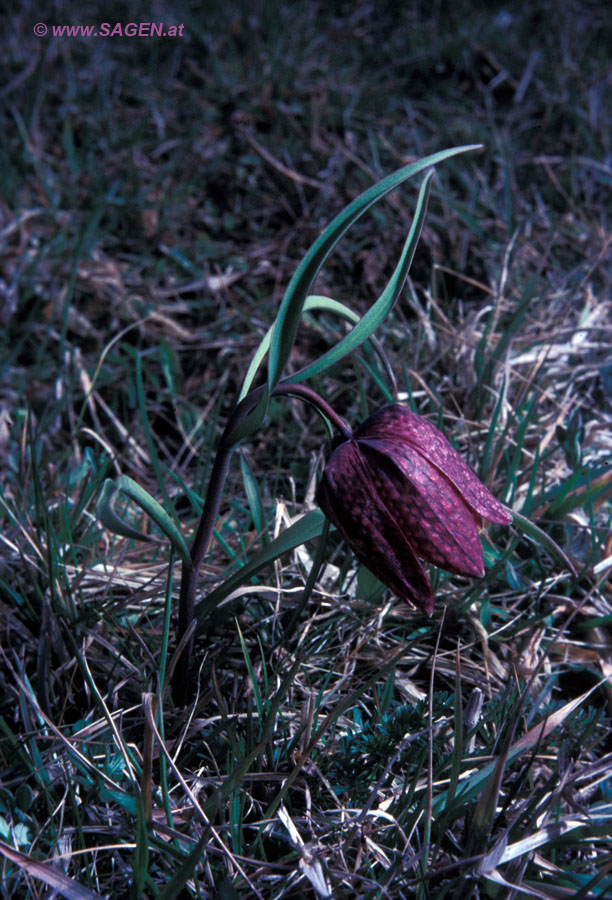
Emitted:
<point x="397" y="490"/>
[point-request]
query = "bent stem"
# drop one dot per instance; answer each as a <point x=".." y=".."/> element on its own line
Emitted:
<point x="181" y="684"/>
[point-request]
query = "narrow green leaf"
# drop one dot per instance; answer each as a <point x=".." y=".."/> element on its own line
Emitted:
<point x="457" y="753"/>
<point x="256" y="506"/>
<point x="314" y="301"/>
<point x="305" y="529"/>
<point x="174" y="887"/>
<point x="583" y="488"/>
<point x="486" y="370"/>
<point x="252" y="422"/>
<point x="105" y="510"/>
<point x="251" y="672"/>
<point x="161" y="482"/>
<point x="318" y="560"/>
<point x="519" y="441"/>
<point x="540" y="537"/>
<point x="328" y="304"/>
<point x="484" y="462"/>
<point x="377" y="313"/>
<point x="289" y="314"/>
<point x="278" y="343"/>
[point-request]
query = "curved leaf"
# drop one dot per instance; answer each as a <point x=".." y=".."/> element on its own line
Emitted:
<point x="381" y="308"/>
<point x="287" y="320"/>
<point x="256" y="417"/>
<point x="522" y="523"/>
<point x="282" y="335"/>
<point x="314" y="301"/>
<point x="105" y="510"/>
<point x="252" y="421"/>
<point x="305" y="529"/>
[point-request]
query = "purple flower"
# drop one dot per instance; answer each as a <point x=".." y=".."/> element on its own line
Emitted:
<point x="398" y="490"/>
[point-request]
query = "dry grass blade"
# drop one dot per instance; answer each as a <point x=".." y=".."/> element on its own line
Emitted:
<point x="58" y="881"/>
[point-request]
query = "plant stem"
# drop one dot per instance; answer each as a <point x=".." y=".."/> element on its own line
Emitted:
<point x="181" y="684"/>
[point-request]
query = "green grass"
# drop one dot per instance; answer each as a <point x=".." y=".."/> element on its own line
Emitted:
<point x="157" y="197"/>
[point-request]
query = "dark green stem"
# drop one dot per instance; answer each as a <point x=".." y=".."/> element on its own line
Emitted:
<point x="181" y="685"/>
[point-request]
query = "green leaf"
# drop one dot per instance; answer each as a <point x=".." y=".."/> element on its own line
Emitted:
<point x="486" y="369"/>
<point x="382" y="307"/>
<point x="314" y="301"/>
<point x="105" y="510"/>
<point x="256" y="506"/>
<point x="282" y="334"/>
<point x="289" y="314"/>
<point x="151" y="444"/>
<point x="587" y="486"/>
<point x="174" y="887"/>
<point x="522" y="523"/>
<point x="252" y="422"/>
<point x="305" y="529"/>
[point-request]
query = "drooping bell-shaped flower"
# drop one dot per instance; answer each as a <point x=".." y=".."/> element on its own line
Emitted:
<point x="397" y="491"/>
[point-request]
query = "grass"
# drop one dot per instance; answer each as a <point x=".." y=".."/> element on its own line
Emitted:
<point x="157" y="196"/>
